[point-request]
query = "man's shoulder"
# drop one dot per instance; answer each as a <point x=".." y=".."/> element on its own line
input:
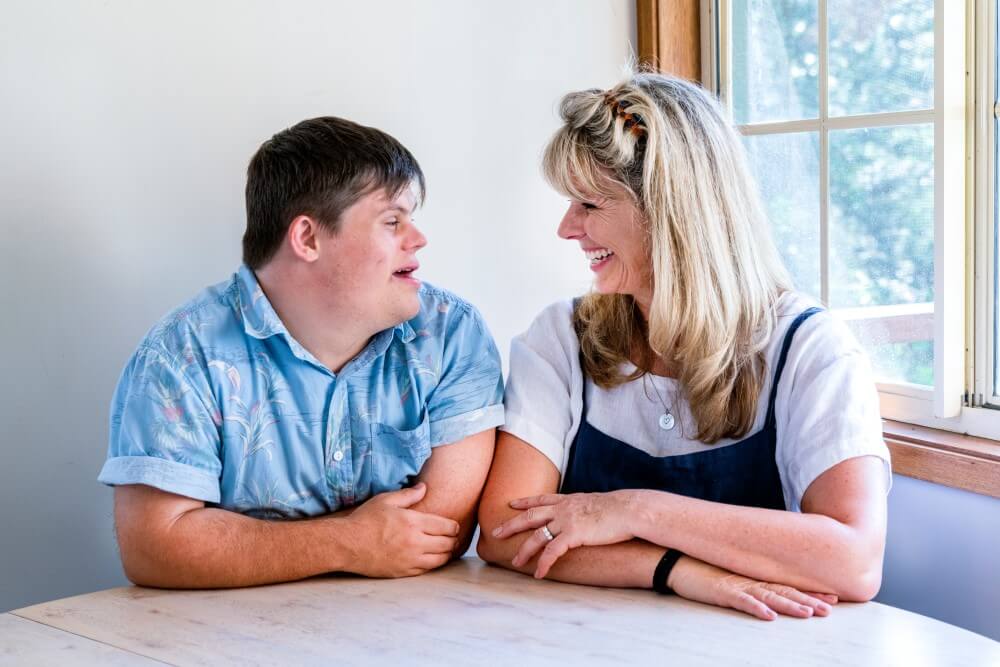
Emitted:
<point x="442" y="311"/>
<point x="437" y="300"/>
<point x="210" y="317"/>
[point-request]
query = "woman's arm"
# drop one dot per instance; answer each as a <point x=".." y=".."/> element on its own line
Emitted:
<point x="834" y="546"/>
<point x="519" y="469"/>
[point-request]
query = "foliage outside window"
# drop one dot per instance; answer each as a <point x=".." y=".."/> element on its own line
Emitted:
<point x="840" y="134"/>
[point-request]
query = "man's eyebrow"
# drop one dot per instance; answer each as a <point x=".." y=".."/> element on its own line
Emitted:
<point x="396" y="207"/>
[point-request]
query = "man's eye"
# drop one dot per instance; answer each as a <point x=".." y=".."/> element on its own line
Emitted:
<point x="392" y="223"/>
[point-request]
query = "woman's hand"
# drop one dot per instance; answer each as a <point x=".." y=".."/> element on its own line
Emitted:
<point x="573" y="520"/>
<point x="701" y="582"/>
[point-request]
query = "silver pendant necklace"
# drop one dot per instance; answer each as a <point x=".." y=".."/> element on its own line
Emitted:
<point x="666" y="421"/>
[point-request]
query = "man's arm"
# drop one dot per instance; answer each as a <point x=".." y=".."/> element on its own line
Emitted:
<point x="455" y="475"/>
<point x="170" y="541"/>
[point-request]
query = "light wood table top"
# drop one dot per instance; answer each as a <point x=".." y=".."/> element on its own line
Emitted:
<point x="465" y="613"/>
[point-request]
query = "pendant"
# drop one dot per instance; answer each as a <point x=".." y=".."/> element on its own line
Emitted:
<point x="666" y="421"/>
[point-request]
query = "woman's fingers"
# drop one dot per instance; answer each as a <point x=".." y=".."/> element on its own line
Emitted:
<point x="532" y="518"/>
<point x="818" y="606"/>
<point x="780" y="602"/>
<point x="535" y="501"/>
<point x="553" y="551"/>
<point x="749" y="604"/>
<point x="828" y="598"/>
<point x="531" y="546"/>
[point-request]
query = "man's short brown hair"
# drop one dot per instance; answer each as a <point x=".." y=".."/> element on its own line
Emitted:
<point x="319" y="167"/>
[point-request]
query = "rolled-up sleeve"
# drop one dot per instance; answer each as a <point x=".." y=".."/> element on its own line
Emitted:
<point x="469" y="396"/>
<point x="539" y="409"/>
<point x="827" y="409"/>
<point x="163" y="432"/>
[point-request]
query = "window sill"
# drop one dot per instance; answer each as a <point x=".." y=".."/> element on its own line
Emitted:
<point x="955" y="460"/>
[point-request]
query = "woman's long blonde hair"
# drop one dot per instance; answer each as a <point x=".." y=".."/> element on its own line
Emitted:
<point x="716" y="273"/>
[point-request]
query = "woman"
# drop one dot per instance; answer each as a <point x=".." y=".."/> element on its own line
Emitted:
<point x="660" y="428"/>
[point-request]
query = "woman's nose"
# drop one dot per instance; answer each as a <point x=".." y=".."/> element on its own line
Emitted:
<point x="570" y="227"/>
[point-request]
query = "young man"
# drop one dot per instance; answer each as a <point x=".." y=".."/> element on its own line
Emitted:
<point x="323" y="382"/>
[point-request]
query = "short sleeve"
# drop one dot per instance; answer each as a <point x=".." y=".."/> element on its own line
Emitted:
<point x="468" y="398"/>
<point x="163" y="433"/>
<point x="542" y="384"/>
<point x="827" y="407"/>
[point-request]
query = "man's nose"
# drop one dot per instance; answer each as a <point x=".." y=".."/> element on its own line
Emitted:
<point x="417" y="239"/>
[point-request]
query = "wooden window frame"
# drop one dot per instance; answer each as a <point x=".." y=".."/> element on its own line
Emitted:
<point x="672" y="37"/>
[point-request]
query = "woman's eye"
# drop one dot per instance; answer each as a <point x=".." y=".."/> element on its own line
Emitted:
<point x="589" y="207"/>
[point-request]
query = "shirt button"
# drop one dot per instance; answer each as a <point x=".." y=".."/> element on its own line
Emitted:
<point x="338" y="456"/>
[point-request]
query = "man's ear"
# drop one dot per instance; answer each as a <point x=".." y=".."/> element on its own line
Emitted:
<point x="304" y="237"/>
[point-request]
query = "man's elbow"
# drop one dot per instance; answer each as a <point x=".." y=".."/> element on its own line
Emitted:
<point x="141" y="572"/>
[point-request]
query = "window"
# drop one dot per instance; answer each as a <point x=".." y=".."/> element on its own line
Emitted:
<point x="855" y="116"/>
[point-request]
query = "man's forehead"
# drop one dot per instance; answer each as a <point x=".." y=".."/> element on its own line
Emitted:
<point x="404" y="200"/>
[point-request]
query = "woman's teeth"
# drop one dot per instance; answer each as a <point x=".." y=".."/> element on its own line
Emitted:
<point x="596" y="256"/>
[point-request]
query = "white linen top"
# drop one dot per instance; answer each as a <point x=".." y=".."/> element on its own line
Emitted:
<point x="826" y="408"/>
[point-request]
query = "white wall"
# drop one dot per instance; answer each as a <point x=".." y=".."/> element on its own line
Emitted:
<point x="125" y="130"/>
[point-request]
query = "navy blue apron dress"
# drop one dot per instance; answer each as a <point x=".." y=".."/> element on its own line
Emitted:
<point x="742" y="473"/>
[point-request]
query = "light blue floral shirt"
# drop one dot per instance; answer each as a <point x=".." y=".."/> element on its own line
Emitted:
<point x="219" y="403"/>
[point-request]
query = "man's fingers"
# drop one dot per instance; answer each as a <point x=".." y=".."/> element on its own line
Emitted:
<point x="432" y="524"/>
<point x="405" y="497"/>
<point x="438" y="544"/>
<point x="532" y="518"/>
<point x="433" y="561"/>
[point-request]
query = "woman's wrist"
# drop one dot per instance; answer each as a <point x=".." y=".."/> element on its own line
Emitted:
<point x="642" y="515"/>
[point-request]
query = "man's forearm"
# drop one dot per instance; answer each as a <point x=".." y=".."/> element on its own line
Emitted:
<point x="214" y="548"/>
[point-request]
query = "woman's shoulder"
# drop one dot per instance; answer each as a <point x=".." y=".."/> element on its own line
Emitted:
<point x="823" y="337"/>
<point x="554" y="322"/>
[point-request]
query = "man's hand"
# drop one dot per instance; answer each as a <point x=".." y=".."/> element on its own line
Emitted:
<point x="391" y="540"/>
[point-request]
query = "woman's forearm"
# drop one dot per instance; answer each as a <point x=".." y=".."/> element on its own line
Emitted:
<point x="811" y="552"/>
<point x="623" y="565"/>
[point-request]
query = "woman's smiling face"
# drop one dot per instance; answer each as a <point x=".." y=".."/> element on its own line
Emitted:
<point x="615" y="240"/>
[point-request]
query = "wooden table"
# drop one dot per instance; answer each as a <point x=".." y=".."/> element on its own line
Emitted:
<point x="465" y="613"/>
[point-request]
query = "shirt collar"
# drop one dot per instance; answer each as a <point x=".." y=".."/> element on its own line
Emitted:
<point x="259" y="318"/>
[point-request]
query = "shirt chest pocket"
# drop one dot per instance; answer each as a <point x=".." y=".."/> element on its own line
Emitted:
<point x="398" y="455"/>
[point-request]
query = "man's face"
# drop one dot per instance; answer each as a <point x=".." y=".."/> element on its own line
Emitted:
<point x="368" y="266"/>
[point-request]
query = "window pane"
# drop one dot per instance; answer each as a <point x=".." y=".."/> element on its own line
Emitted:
<point x="881" y="56"/>
<point x="996" y="259"/>
<point x="775" y="60"/>
<point x="882" y="244"/>
<point x="791" y="197"/>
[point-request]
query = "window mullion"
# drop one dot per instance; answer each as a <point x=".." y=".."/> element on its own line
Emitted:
<point x="824" y="156"/>
<point x="949" y="207"/>
<point x="980" y="366"/>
